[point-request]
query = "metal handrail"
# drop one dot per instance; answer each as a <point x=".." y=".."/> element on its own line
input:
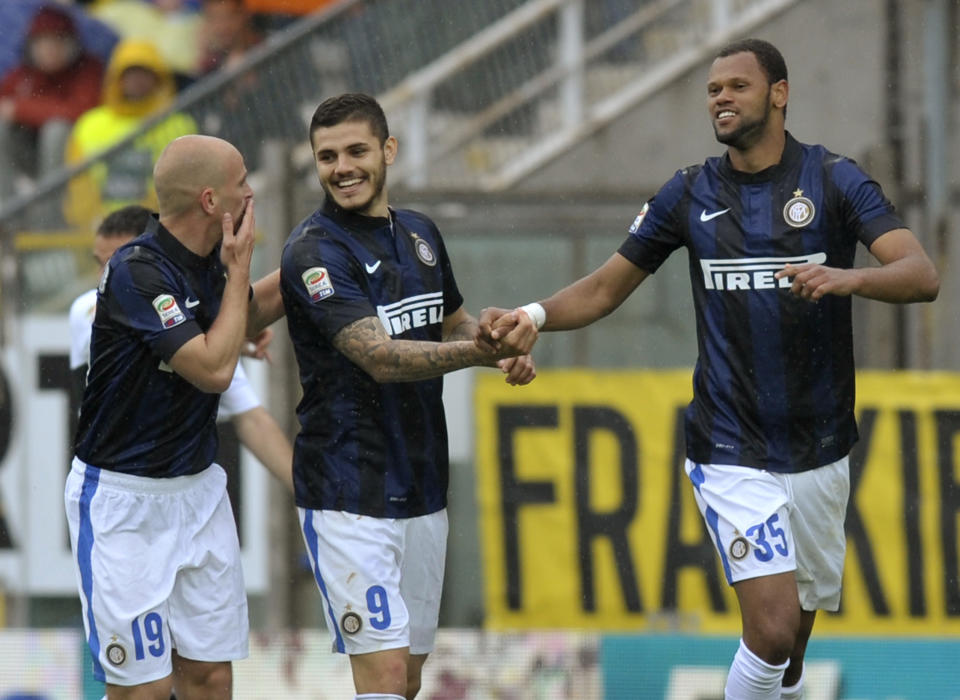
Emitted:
<point x="607" y="110"/>
<point x="420" y="84"/>
<point x="409" y="102"/>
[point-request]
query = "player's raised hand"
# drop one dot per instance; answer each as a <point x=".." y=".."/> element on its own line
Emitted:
<point x="236" y="251"/>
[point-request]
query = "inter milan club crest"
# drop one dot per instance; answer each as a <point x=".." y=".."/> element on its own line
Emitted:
<point x="116" y="654"/>
<point x="739" y="548"/>
<point x="351" y="623"/>
<point x="424" y="251"/>
<point x="799" y="211"/>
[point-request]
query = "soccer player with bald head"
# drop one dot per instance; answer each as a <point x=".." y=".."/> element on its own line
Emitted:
<point x="158" y="560"/>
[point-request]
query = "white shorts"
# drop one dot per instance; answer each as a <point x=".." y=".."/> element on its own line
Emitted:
<point x="763" y="523"/>
<point x="158" y="567"/>
<point x="380" y="578"/>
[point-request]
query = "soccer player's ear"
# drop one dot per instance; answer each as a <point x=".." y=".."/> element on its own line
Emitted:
<point x="390" y="150"/>
<point x="779" y="92"/>
<point x="208" y="200"/>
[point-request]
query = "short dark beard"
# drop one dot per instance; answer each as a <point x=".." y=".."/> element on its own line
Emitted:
<point x="378" y="179"/>
<point x="748" y="133"/>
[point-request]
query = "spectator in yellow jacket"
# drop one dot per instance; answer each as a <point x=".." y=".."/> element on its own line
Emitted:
<point x="138" y="85"/>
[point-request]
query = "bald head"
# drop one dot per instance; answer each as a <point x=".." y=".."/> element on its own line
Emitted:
<point x="187" y="166"/>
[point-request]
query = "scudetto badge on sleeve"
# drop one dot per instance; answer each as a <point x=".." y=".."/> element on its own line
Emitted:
<point x="318" y="284"/>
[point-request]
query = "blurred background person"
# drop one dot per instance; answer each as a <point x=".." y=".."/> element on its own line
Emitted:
<point x="40" y="98"/>
<point x="16" y="16"/>
<point x="227" y="33"/>
<point x="138" y="85"/>
<point x="172" y="25"/>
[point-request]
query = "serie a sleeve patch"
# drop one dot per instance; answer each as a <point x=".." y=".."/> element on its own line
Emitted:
<point x="168" y="310"/>
<point x="317" y="282"/>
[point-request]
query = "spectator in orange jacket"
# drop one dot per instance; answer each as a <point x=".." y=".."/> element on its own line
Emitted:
<point x="42" y="97"/>
<point x="226" y="33"/>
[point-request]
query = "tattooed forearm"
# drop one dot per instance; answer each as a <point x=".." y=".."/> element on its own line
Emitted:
<point x="367" y="345"/>
<point x="463" y="330"/>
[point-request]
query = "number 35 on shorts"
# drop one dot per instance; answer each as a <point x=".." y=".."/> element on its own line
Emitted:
<point x="767" y="539"/>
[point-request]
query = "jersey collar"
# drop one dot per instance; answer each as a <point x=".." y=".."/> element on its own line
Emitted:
<point x="792" y="152"/>
<point x="352" y="220"/>
<point x="175" y="249"/>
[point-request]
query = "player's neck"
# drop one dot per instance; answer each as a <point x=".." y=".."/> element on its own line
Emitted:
<point x="193" y="234"/>
<point x="761" y="155"/>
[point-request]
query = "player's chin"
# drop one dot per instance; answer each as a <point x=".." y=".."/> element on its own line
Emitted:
<point x="353" y="204"/>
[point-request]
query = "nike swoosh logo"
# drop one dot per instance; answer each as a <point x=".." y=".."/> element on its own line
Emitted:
<point x="372" y="268"/>
<point x="190" y="303"/>
<point x="704" y="216"/>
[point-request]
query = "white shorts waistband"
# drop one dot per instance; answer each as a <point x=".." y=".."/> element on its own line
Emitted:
<point x="148" y="484"/>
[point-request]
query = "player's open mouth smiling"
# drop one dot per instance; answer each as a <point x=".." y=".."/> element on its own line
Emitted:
<point x="350" y="183"/>
<point x="725" y="114"/>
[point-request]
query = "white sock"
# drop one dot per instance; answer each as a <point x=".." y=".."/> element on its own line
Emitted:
<point x="793" y="692"/>
<point x="379" y="696"/>
<point x="752" y="678"/>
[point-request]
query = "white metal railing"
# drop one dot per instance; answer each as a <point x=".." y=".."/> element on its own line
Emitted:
<point x="521" y="125"/>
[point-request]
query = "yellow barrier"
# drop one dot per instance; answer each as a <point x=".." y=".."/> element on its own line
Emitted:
<point x="588" y="520"/>
<point x="29" y="241"/>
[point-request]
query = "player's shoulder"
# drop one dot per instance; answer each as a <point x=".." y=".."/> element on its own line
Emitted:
<point x="681" y="182"/>
<point x="842" y="171"/>
<point x="136" y="263"/>
<point x="139" y="253"/>
<point x="417" y="223"/>
<point x="315" y="236"/>
<point x="311" y="231"/>
<point x="411" y="217"/>
<point x="684" y="177"/>
<point x="819" y="153"/>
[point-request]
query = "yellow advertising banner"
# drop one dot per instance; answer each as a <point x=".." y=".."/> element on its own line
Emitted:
<point x="588" y="519"/>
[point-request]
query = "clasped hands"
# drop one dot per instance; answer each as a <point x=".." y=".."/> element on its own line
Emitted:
<point x="509" y="334"/>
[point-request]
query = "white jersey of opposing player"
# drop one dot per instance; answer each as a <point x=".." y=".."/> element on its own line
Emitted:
<point x="238" y="398"/>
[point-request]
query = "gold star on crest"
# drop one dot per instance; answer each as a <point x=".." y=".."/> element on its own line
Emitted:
<point x="798" y="192"/>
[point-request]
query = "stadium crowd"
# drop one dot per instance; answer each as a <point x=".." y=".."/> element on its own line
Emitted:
<point x="78" y="77"/>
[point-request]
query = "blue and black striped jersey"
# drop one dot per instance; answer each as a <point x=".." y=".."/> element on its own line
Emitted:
<point x="137" y="415"/>
<point x="364" y="447"/>
<point x="774" y="380"/>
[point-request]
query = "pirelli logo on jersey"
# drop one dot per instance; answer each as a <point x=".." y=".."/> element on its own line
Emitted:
<point x="413" y="312"/>
<point x="752" y="273"/>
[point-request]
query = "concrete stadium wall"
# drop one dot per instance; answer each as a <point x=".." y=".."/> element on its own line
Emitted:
<point x="835" y="58"/>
